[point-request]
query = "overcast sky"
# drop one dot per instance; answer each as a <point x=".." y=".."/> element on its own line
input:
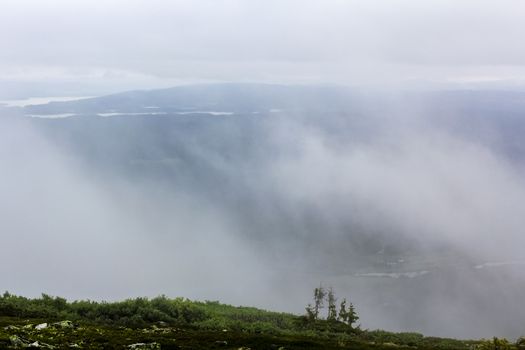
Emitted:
<point x="100" y="46"/>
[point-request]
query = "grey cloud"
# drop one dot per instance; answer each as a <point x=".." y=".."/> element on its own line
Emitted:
<point x="214" y="40"/>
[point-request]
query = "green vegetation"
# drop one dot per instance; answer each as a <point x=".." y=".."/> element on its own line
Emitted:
<point x="342" y="321"/>
<point x="179" y="323"/>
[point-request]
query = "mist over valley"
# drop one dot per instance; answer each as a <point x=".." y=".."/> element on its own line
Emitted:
<point x="253" y="193"/>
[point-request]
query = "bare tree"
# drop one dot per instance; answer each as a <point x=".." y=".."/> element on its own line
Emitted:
<point x="319" y="295"/>
<point x="332" y="308"/>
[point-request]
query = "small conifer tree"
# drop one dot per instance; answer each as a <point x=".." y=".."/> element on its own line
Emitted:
<point x="342" y="311"/>
<point x="310" y="313"/>
<point x="352" y="315"/>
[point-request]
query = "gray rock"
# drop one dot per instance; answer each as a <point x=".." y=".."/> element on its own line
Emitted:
<point x="144" y="346"/>
<point x="64" y="324"/>
<point x="41" y="326"/>
<point x="37" y="344"/>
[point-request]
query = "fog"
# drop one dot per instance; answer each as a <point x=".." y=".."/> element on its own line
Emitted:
<point x="68" y="233"/>
<point x="418" y="224"/>
<point x="387" y="174"/>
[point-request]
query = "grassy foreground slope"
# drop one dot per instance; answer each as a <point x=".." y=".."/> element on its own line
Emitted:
<point x="53" y="322"/>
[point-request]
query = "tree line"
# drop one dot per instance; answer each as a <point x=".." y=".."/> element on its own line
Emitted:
<point x="345" y="314"/>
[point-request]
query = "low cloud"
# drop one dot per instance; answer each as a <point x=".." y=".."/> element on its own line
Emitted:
<point x="405" y="217"/>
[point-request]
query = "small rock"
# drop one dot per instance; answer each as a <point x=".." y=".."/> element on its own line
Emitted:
<point x="144" y="346"/>
<point x="389" y="344"/>
<point x="37" y="344"/>
<point x="64" y="324"/>
<point x="41" y="326"/>
<point x="11" y="328"/>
